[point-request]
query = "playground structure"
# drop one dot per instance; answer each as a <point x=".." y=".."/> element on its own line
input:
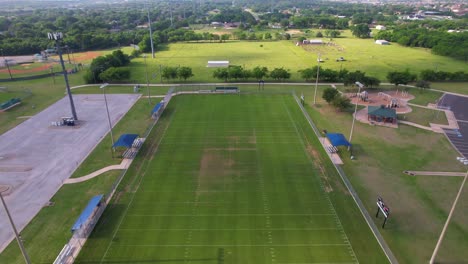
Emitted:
<point x="390" y="99"/>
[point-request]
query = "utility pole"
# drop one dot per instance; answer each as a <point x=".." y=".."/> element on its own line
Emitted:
<point x="18" y="237"/>
<point x="147" y="80"/>
<point x="57" y="36"/>
<point x="6" y="64"/>
<point x="316" y="80"/>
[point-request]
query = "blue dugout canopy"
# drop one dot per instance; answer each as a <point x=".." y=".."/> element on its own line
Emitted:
<point x="125" y="140"/>
<point x="156" y="108"/>
<point x="338" y="139"/>
<point x="87" y="212"/>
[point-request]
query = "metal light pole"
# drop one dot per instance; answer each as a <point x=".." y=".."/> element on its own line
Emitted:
<point x="355" y="109"/>
<point x="316" y="80"/>
<point x="103" y="87"/>
<point x="6" y="64"/>
<point x="442" y="234"/>
<point x="147" y="80"/>
<point x="151" y="32"/>
<point x="18" y="238"/>
<point x="57" y="36"/>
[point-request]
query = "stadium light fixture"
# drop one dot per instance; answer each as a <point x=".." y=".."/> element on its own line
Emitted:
<point x="316" y="80"/>
<point x="355" y="110"/>
<point x="103" y="87"/>
<point x="57" y="37"/>
<point x="6" y="64"/>
<point x="17" y="235"/>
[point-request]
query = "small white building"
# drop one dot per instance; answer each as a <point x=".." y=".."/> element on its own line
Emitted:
<point x="380" y="27"/>
<point x="216" y="64"/>
<point x="382" y="42"/>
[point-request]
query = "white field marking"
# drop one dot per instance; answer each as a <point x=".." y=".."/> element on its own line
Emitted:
<point x="316" y="262"/>
<point x="229" y="229"/>
<point x="228" y="215"/>
<point x="237" y="245"/>
<point x="133" y="193"/>
<point x="332" y="207"/>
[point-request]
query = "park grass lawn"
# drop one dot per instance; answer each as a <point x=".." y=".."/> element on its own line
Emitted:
<point x="44" y="93"/>
<point x="424" y="97"/>
<point x="233" y="184"/>
<point x="136" y="121"/>
<point x="424" y="116"/>
<point x="49" y="230"/>
<point x="360" y="54"/>
<point x="419" y="206"/>
<point x="454" y="87"/>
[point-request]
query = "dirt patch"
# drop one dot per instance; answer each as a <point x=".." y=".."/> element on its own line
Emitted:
<point x="43" y="67"/>
<point x="318" y="164"/>
<point x="234" y="139"/>
<point x="86" y="56"/>
<point x="215" y="170"/>
<point x="293" y="31"/>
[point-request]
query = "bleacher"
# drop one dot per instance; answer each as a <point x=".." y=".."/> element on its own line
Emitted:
<point x="331" y="149"/>
<point x="130" y="153"/>
<point x="227" y="89"/>
<point x="9" y="104"/>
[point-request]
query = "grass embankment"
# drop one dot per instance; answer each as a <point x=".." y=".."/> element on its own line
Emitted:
<point x="248" y="185"/>
<point x="49" y="230"/>
<point x="419" y="205"/>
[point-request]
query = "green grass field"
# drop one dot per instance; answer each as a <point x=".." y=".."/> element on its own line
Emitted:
<point x="360" y="54"/>
<point x="234" y="180"/>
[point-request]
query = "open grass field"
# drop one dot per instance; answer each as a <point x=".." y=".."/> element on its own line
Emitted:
<point x="360" y="54"/>
<point x="232" y="179"/>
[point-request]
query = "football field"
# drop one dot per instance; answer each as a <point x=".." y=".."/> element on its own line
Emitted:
<point x="231" y="179"/>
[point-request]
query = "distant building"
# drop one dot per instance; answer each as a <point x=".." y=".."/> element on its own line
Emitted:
<point x="313" y="42"/>
<point x="382" y="42"/>
<point x="380" y="27"/>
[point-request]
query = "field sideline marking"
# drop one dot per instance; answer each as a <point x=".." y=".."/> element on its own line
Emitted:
<point x="133" y="193"/>
<point x="237" y="245"/>
<point x="186" y="215"/>
<point x="230" y="229"/>
<point x="332" y="207"/>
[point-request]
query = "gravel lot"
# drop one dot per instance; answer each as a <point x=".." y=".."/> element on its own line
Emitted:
<point x="36" y="157"/>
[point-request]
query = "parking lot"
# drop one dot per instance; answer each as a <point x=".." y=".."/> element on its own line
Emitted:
<point x="36" y="156"/>
<point x="459" y="106"/>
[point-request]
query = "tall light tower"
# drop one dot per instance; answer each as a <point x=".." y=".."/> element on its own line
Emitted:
<point x="57" y="37"/>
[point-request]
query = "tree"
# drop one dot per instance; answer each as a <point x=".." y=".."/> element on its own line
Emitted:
<point x="369" y="81"/>
<point x="184" y="73"/>
<point x="259" y="72"/>
<point x="319" y="35"/>
<point x="423" y="84"/>
<point x="267" y="36"/>
<point x="341" y="102"/>
<point x="329" y="94"/>
<point x="169" y="73"/>
<point x="221" y="73"/>
<point x="235" y="72"/>
<point x="280" y="74"/>
<point x="308" y="74"/>
<point x="353" y="77"/>
<point x="115" y="74"/>
<point x="397" y="78"/>
<point x="361" y="30"/>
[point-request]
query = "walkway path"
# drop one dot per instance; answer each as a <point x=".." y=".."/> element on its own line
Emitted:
<point x="122" y="166"/>
<point x="435" y="173"/>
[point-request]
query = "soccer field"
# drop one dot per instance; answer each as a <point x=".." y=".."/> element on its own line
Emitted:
<point x="231" y="180"/>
